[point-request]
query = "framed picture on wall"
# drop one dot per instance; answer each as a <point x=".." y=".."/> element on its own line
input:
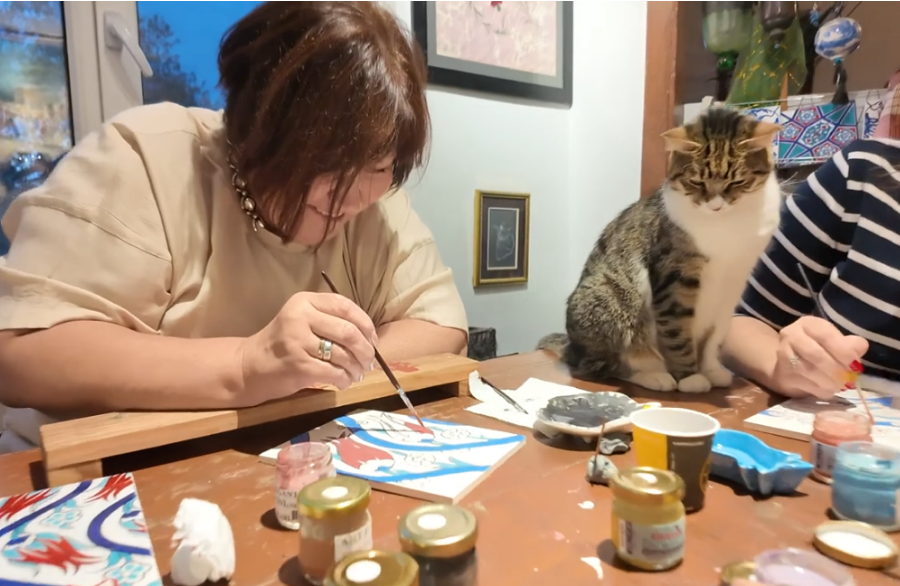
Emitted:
<point x="501" y="238"/>
<point x="520" y="49"/>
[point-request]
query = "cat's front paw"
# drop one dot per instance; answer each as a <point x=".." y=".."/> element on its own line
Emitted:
<point x="719" y="377"/>
<point x="695" y="383"/>
<point x="654" y="381"/>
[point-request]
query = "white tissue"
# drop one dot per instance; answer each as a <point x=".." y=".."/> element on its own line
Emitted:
<point x="204" y="544"/>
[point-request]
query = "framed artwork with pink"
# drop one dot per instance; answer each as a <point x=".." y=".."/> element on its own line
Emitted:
<point x="517" y="49"/>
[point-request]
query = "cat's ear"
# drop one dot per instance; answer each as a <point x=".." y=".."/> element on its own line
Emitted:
<point x="763" y="136"/>
<point x="677" y="140"/>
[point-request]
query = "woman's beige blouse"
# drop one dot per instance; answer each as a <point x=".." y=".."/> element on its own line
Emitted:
<point x="139" y="226"/>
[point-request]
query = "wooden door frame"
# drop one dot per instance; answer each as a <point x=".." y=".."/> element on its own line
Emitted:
<point x="660" y="91"/>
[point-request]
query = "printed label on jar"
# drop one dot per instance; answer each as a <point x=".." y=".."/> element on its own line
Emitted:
<point x="656" y="544"/>
<point x="359" y="540"/>
<point x="822" y="457"/>
<point x="286" y="507"/>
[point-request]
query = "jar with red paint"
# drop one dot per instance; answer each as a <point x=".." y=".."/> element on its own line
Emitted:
<point x="297" y="466"/>
<point x="831" y="429"/>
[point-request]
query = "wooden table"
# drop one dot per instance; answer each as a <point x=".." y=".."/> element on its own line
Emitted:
<point x="538" y="516"/>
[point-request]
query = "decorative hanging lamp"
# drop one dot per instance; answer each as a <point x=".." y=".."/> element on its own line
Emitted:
<point x="727" y="27"/>
<point x="835" y="40"/>
<point x="776" y="18"/>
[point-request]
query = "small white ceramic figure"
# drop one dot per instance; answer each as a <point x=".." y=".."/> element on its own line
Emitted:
<point x="204" y="544"/>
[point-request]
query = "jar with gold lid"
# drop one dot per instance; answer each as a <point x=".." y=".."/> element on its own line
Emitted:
<point x="334" y="522"/>
<point x="441" y="538"/>
<point x="374" y="568"/>
<point x="734" y="572"/>
<point x="648" y="518"/>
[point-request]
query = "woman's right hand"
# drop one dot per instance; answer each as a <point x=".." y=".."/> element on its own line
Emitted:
<point x="283" y="357"/>
<point x="813" y="358"/>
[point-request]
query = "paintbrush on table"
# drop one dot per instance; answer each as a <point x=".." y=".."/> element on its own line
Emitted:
<point x="509" y="399"/>
<point x="384" y="366"/>
<point x="821" y="313"/>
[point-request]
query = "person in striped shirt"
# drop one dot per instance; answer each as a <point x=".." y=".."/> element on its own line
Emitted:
<point x="843" y="227"/>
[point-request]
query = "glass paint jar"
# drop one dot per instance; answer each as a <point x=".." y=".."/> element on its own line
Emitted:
<point x="374" y="568"/>
<point x="441" y="538"/>
<point x="334" y="522"/>
<point x="866" y="485"/>
<point x="648" y="518"/>
<point x="298" y="465"/>
<point x="831" y="429"/>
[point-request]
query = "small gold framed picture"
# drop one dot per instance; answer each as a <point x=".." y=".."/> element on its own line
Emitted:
<point x="501" y="238"/>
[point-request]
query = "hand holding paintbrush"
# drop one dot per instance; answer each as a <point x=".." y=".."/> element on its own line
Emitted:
<point x="852" y="373"/>
<point x="315" y="339"/>
<point x="382" y="363"/>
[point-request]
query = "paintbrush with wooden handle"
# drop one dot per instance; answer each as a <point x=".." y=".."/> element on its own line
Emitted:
<point x="821" y="313"/>
<point x="384" y="366"/>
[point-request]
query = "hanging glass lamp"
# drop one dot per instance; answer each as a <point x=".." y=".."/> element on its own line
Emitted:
<point x="727" y="27"/>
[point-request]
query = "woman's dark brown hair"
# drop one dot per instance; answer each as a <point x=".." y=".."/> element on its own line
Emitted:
<point x="317" y="88"/>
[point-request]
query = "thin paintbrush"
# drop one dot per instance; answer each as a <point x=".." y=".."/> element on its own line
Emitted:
<point x="821" y="313"/>
<point x="384" y="366"/>
<point x="509" y="399"/>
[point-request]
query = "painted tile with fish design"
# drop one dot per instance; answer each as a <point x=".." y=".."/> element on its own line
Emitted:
<point x="441" y="462"/>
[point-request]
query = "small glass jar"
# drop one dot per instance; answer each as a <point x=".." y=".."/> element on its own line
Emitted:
<point x="374" y="568"/>
<point x="334" y="522"/>
<point x="648" y="518"/>
<point x="441" y="538"/>
<point x="866" y="484"/>
<point x="296" y="466"/>
<point x="796" y="567"/>
<point x="831" y="429"/>
<point x="731" y="573"/>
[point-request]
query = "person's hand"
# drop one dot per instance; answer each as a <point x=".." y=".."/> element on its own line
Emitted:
<point x="284" y="356"/>
<point x="813" y="358"/>
<point x="745" y="582"/>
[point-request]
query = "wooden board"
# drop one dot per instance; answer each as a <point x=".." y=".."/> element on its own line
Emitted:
<point x="73" y="450"/>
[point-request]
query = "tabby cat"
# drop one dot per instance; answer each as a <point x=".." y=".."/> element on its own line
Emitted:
<point x="659" y="288"/>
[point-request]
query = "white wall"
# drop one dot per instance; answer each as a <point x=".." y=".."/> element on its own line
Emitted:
<point x="580" y="165"/>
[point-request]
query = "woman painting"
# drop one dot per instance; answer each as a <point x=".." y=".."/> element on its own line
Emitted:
<point x="843" y="228"/>
<point x="173" y="259"/>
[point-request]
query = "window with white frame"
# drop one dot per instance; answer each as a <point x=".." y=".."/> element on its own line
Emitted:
<point x="65" y="67"/>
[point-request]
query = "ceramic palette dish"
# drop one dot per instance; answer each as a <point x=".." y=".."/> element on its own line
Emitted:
<point x="583" y="414"/>
<point x="747" y="460"/>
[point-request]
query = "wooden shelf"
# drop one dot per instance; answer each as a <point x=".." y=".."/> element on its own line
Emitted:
<point x="74" y="450"/>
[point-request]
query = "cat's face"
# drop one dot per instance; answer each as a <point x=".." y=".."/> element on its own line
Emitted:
<point x="720" y="157"/>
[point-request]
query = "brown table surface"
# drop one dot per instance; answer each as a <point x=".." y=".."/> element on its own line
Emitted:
<point x="535" y="523"/>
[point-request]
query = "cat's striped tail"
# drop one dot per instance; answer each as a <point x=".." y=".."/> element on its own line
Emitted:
<point x="555" y="343"/>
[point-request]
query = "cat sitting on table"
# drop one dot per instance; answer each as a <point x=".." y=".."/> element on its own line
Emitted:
<point x="656" y="296"/>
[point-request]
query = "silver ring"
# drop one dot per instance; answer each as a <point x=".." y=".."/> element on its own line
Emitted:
<point x="794" y="360"/>
<point x="325" y="350"/>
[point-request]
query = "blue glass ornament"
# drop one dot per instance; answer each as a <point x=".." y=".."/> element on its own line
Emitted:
<point x="835" y="40"/>
<point x="838" y="38"/>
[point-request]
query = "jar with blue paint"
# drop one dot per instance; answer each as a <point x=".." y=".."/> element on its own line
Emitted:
<point x="866" y="484"/>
